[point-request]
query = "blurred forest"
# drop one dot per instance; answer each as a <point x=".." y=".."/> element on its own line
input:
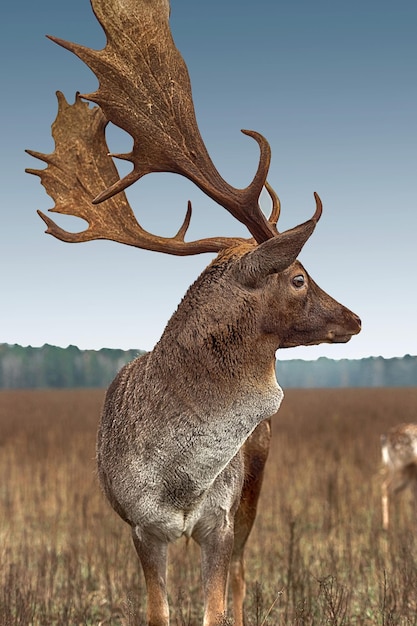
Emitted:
<point x="59" y="368"/>
<point x="63" y="368"/>
<point x="369" y="372"/>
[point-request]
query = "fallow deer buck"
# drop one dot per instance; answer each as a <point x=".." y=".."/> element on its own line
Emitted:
<point x="399" y="457"/>
<point x="185" y="429"/>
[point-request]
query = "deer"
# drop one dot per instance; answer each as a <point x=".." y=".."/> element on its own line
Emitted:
<point x="399" y="464"/>
<point x="185" y="429"/>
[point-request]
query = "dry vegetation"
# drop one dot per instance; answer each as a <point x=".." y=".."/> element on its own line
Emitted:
<point x="317" y="554"/>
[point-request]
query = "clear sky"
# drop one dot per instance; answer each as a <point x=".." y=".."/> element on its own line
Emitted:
<point x="333" y="87"/>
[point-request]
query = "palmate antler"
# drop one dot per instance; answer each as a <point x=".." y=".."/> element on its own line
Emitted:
<point x="144" y="88"/>
<point x="80" y="168"/>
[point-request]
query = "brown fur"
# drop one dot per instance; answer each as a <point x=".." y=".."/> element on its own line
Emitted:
<point x="399" y="455"/>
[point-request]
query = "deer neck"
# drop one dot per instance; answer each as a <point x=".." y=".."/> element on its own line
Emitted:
<point x="214" y="336"/>
<point x="220" y="366"/>
<point x="216" y="377"/>
<point x="216" y="360"/>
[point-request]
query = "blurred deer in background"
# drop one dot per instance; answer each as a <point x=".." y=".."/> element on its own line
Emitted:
<point x="185" y="429"/>
<point x="399" y="457"/>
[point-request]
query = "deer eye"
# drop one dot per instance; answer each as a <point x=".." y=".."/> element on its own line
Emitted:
<point x="298" y="281"/>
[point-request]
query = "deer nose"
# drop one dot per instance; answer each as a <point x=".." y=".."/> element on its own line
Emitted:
<point x="357" y="320"/>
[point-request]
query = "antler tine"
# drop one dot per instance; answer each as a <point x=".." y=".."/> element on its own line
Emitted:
<point x="182" y="231"/>
<point x="276" y="205"/>
<point x="79" y="167"/>
<point x="145" y="89"/>
<point x="319" y="208"/>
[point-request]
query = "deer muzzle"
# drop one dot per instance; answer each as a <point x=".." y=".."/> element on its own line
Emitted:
<point x="343" y="334"/>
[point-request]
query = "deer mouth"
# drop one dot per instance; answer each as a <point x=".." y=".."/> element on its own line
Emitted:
<point x="341" y="335"/>
<point x="335" y="337"/>
<point x="331" y="337"/>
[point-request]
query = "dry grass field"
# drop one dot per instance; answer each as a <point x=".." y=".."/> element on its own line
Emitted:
<point x="317" y="554"/>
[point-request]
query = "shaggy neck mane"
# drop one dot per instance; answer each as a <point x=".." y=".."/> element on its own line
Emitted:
<point x="200" y="335"/>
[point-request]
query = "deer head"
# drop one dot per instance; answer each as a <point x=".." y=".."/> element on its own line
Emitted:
<point x="184" y="426"/>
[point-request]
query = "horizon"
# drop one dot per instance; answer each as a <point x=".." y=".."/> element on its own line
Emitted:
<point x="380" y="356"/>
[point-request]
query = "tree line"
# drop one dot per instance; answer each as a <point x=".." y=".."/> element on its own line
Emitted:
<point x="54" y="367"/>
<point x="368" y="372"/>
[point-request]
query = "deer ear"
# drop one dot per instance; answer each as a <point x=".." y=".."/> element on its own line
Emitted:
<point x="276" y="254"/>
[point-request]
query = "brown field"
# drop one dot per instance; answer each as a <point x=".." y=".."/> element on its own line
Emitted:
<point x="317" y="554"/>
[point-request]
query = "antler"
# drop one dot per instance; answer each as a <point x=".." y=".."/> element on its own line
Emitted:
<point x="77" y="171"/>
<point x="145" y="89"/>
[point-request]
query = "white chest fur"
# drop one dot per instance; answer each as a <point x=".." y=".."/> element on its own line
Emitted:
<point x="193" y="479"/>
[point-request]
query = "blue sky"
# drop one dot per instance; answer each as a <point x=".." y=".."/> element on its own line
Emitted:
<point x="333" y="87"/>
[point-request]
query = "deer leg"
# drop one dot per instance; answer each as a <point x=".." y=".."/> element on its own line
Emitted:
<point x="237" y="576"/>
<point x="152" y="554"/>
<point x="393" y="484"/>
<point x="244" y="520"/>
<point x="414" y="490"/>
<point x="385" y="505"/>
<point x="255" y="455"/>
<point x="216" y="550"/>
